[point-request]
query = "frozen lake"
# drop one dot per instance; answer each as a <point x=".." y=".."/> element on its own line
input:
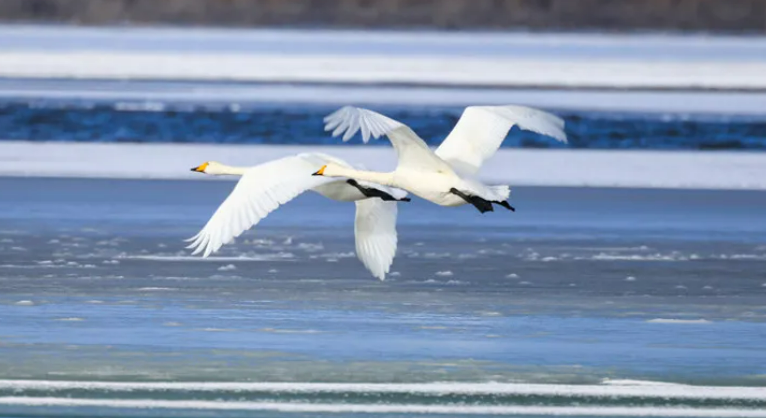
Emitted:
<point x="578" y="287"/>
<point x="646" y="299"/>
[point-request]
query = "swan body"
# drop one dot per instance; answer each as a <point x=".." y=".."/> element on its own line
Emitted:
<point x="446" y="176"/>
<point x="265" y="187"/>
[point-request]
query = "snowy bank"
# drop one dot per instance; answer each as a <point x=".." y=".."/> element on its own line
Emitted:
<point x="421" y="58"/>
<point x="578" y="168"/>
<point x="148" y="95"/>
<point x="382" y="69"/>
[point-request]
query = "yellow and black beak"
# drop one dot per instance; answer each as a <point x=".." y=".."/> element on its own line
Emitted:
<point x="320" y="172"/>
<point x="200" y="168"/>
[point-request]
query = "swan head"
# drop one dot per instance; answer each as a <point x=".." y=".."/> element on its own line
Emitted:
<point x="210" y="167"/>
<point x="330" y="170"/>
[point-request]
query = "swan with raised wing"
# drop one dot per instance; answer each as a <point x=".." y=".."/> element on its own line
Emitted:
<point x="445" y="176"/>
<point x="263" y="188"/>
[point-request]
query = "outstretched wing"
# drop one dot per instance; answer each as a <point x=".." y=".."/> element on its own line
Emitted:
<point x="481" y="129"/>
<point x="260" y="190"/>
<point x="374" y="225"/>
<point x="375" y="232"/>
<point x="411" y="150"/>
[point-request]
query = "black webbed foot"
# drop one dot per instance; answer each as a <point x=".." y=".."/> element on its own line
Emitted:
<point x="481" y="204"/>
<point x="506" y="205"/>
<point x="370" y="192"/>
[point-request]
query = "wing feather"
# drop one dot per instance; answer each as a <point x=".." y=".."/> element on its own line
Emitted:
<point x="375" y="232"/>
<point x="481" y="129"/>
<point x="260" y="190"/>
<point x="411" y="150"/>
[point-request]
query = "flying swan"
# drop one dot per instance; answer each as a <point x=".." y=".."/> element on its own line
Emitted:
<point x="445" y="176"/>
<point x="264" y="187"/>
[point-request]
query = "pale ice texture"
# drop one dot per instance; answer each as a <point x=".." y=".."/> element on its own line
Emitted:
<point x="330" y="68"/>
<point x="516" y="167"/>
<point x="601" y="411"/>
<point x="425" y="58"/>
<point x="149" y="96"/>
<point x="608" y="388"/>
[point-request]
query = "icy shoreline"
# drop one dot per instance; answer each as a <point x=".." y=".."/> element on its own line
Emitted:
<point x="516" y="60"/>
<point x="381" y="69"/>
<point x="518" y="167"/>
<point x="153" y="95"/>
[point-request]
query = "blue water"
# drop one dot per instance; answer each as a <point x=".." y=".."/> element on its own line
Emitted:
<point x="91" y="121"/>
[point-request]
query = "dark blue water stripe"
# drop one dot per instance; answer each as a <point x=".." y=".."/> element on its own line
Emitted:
<point x="167" y="123"/>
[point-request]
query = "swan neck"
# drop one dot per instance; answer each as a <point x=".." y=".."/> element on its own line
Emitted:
<point x="231" y="170"/>
<point x="385" y="179"/>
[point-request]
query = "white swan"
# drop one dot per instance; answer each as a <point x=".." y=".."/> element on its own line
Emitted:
<point x="446" y="176"/>
<point x="264" y="187"/>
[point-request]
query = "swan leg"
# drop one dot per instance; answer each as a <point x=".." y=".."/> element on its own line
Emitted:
<point x="481" y="204"/>
<point x="370" y="192"/>
<point x="506" y="205"/>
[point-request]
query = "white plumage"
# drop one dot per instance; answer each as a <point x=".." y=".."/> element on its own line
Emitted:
<point x="265" y="187"/>
<point x="447" y="176"/>
<point x="481" y="130"/>
<point x="375" y="231"/>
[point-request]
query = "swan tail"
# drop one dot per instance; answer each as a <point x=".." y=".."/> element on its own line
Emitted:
<point x="500" y="193"/>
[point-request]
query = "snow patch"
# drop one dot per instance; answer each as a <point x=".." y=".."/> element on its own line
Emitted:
<point x="228" y="267"/>
<point x="678" y="321"/>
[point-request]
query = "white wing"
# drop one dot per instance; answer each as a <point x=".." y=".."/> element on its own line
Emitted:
<point x="375" y="231"/>
<point x="374" y="226"/>
<point x="481" y="129"/>
<point x="412" y="151"/>
<point x="260" y="190"/>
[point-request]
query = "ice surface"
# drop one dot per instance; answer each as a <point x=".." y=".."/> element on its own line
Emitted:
<point x="618" y="388"/>
<point x="562" y="60"/>
<point x="148" y="96"/>
<point x="329" y="68"/>
<point x="678" y="321"/>
<point x="517" y="167"/>
<point x="457" y="409"/>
